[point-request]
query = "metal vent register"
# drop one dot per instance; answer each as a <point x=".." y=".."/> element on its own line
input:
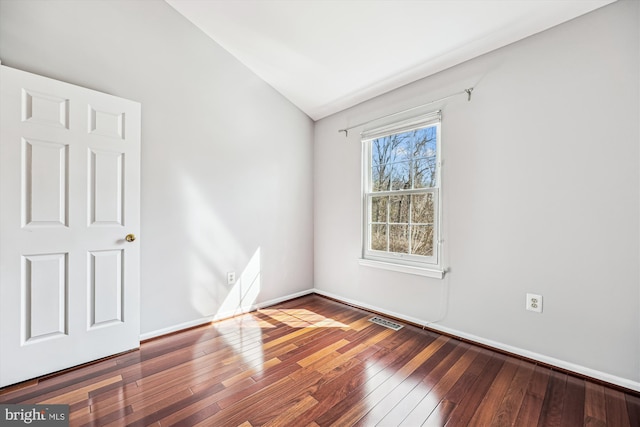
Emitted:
<point x="386" y="323"/>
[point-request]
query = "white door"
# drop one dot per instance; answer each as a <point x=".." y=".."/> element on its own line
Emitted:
<point x="69" y="194"/>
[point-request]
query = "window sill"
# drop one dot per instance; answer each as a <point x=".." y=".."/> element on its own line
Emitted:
<point x="419" y="271"/>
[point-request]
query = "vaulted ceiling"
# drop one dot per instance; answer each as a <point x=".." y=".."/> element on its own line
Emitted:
<point x="328" y="55"/>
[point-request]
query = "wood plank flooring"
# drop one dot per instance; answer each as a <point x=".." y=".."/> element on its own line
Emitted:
<point x="316" y="362"/>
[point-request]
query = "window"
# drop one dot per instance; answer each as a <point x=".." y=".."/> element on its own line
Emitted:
<point x="402" y="193"/>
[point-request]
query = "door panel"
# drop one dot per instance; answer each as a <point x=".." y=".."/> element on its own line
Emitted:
<point x="106" y="123"/>
<point x="45" y="192"/>
<point x="106" y="192"/>
<point x="45" y="109"/>
<point x="69" y="185"/>
<point x="105" y="279"/>
<point x="44" y="290"/>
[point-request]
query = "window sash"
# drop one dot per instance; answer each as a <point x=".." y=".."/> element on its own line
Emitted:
<point x="408" y="258"/>
<point x="396" y="257"/>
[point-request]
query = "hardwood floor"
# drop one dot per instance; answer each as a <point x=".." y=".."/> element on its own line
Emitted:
<point x="316" y="362"/>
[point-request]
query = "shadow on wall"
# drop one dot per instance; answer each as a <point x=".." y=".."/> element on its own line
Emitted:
<point x="213" y="249"/>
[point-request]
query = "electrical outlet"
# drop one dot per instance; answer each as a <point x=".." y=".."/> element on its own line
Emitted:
<point x="534" y="303"/>
<point x="231" y="278"/>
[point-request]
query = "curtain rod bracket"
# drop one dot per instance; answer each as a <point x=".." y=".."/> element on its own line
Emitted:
<point x="468" y="91"/>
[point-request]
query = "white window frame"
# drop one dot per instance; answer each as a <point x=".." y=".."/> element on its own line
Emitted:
<point x="408" y="263"/>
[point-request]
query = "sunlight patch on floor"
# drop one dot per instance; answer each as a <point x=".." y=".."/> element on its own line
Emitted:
<point x="301" y="318"/>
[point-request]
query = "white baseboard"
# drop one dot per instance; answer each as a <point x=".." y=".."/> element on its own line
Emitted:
<point x="220" y="316"/>
<point x="579" y="369"/>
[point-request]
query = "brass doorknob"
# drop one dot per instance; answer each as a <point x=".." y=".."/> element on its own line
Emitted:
<point x="130" y="237"/>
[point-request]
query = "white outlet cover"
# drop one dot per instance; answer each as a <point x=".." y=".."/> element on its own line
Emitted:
<point x="231" y="278"/>
<point x="534" y="303"/>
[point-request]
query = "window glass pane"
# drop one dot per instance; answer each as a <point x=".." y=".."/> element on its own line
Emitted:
<point x="400" y="177"/>
<point x="425" y="142"/>
<point x="399" y="239"/>
<point x="399" y="209"/>
<point x="380" y="178"/>
<point x="402" y="144"/>
<point x="381" y="151"/>
<point x="422" y="240"/>
<point x="378" y="237"/>
<point x="424" y="172"/>
<point x="379" y="209"/>
<point x="391" y="149"/>
<point x="425" y="157"/>
<point x="422" y="209"/>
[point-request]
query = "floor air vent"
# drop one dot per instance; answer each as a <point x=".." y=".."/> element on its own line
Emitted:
<point x="386" y="323"/>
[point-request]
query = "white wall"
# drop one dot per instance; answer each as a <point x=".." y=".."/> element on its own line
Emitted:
<point x="226" y="160"/>
<point x="541" y="194"/>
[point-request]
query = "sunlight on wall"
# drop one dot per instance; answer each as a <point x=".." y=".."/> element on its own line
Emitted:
<point x="214" y="251"/>
<point x="245" y="291"/>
